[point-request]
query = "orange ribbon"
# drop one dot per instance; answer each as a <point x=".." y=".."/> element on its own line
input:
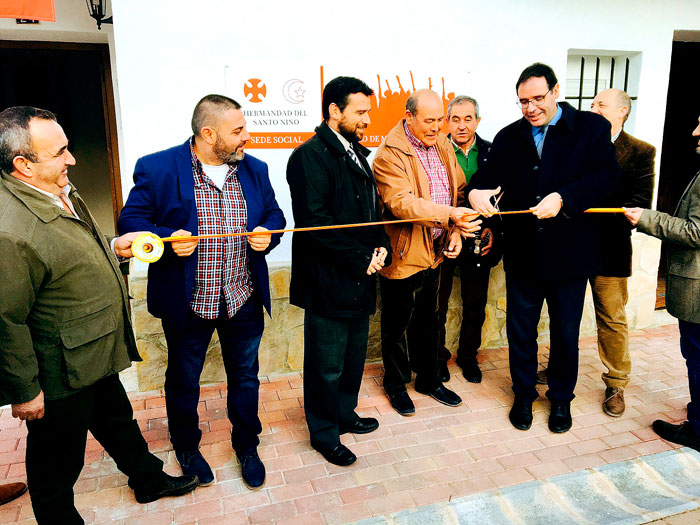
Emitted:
<point x="358" y="225"/>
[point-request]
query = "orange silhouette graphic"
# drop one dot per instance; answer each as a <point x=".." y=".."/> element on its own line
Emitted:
<point x="254" y="90"/>
<point x="389" y="106"/>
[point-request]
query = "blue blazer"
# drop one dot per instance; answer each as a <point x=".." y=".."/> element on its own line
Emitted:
<point x="162" y="201"/>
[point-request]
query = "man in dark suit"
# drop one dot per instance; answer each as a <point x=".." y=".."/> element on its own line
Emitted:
<point x="681" y="232"/>
<point x="333" y="272"/>
<point x="609" y="286"/>
<point x="209" y="186"/>
<point x="556" y="162"/>
<point x="474" y="263"/>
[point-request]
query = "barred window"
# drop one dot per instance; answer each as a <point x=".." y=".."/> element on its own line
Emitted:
<point x="589" y="72"/>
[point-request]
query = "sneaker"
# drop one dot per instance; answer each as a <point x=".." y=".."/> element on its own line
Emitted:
<point x="193" y="463"/>
<point x="252" y="468"/>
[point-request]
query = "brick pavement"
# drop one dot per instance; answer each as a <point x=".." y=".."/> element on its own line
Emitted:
<point x="440" y="454"/>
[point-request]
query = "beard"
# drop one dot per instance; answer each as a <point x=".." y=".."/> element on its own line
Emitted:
<point x="351" y="134"/>
<point x="225" y="155"/>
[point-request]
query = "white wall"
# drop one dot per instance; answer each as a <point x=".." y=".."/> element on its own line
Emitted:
<point x="171" y="52"/>
<point x="73" y="24"/>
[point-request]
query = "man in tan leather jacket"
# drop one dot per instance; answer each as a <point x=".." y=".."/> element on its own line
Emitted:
<point x="418" y="177"/>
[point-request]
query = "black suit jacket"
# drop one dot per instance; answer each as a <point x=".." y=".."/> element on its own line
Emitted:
<point x="329" y="267"/>
<point x="635" y="189"/>
<point x="578" y="161"/>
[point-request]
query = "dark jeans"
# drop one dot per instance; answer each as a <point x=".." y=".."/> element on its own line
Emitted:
<point x="56" y="447"/>
<point x="334" y="359"/>
<point x="474" y="291"/>
<point x="690" y="348"/>
<point x="409" y="330"/>
<point x="565" y="304"/>
<point x="187" y="348"/>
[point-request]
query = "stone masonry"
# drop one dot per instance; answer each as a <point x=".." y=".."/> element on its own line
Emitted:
<point x="281" y="349"/>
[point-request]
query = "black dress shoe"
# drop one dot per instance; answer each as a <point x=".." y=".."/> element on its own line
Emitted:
<point x="363" y="425"/>
<point x="339" y="455"/>
<point x="443" y="371"/>
<point x="471" y="371"/>
<point x="402" y="403"/>
<point x="252" y="469"/>
<point x="443" y="395"/>
<point x="164" y="485"/>
<point x="560" y="417"/>
<point x="521" y="413"/>
<point x="682" y="434"/>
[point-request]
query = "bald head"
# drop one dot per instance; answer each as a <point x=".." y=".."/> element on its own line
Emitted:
<point x="422" y="97"/>
<point x="425" y="113"/>
<point x="615" y="105"/>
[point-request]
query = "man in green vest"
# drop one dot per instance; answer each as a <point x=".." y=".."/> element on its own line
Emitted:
<point x="64" y="324"/>
<point x="476" y="259"/>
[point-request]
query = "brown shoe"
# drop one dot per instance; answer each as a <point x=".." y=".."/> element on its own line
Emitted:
<point x="614" y="404"/>
<point x="10" y="491"/>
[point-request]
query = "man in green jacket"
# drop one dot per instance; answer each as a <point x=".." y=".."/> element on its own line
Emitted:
<point x="64" y="324"/>
<point x="681" y="233"/>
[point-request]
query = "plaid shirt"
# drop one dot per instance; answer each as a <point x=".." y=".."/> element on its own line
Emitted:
<point x="437" y="173"/>
<point x="222" y="264"/>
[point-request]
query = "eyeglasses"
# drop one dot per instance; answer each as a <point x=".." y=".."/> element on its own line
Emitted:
<point x="537" y="101"/>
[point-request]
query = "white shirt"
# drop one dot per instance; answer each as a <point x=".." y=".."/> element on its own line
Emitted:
<point x="343" y="140"/>
<point x="217" y="174"/>
<point x="55" y="198"/>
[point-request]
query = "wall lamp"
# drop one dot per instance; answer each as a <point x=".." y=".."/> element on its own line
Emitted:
<point x="97" y="11"/>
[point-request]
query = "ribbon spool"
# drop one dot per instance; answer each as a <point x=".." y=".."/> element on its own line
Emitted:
<point x="147" y="247"/>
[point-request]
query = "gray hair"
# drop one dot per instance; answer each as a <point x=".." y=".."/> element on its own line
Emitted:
<point x="462" y="99"/>
<point x="15" y="138"/>
<point x="624" y="100"/>
<point x="209" y="109"/>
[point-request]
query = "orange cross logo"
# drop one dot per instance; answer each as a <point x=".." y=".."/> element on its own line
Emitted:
<point x="254" y="90"/>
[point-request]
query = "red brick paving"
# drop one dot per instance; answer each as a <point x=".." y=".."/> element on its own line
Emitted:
<point x="439" y="454"/>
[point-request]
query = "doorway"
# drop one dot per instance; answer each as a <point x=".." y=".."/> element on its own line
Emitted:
<point x="74" y="81"/>
<point x="679" y="162"/>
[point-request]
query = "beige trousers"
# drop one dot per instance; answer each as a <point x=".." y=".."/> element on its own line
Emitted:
<point x="609" y="299"/>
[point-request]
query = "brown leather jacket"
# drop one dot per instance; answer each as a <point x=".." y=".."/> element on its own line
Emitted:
<point x="405" y="193"/>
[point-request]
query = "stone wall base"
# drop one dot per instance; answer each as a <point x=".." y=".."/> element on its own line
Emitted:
<point x="282" y="346"/>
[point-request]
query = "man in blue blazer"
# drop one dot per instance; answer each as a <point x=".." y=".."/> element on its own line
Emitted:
<point x="208" y="186"/>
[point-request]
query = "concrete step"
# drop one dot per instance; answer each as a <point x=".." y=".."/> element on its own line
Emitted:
<point x="641" y="490"/>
